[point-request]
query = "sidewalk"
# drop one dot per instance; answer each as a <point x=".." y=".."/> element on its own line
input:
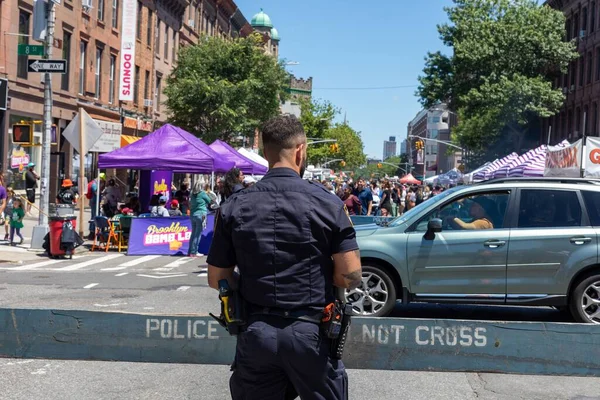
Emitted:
<point x="20" y="253"/>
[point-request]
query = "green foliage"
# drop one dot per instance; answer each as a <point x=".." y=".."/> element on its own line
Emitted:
<point x="505" y="54"/>
<point x="351" y="148"/>
<point x="317" y="118"/>
<point x="372" y="171"/>
<point x="223" y="88"/>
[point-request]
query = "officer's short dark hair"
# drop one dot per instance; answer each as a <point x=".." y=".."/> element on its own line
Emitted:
<point x="282" y="132"/>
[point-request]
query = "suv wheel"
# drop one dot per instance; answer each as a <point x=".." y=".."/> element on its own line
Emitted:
<point x="585" y="300"/>
<point x="376" y="295"/>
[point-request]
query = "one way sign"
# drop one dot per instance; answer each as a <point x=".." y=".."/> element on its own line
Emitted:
<point x="52" y="66"/>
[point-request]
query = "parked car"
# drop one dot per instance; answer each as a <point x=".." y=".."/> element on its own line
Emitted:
<point x="515" y="241"/>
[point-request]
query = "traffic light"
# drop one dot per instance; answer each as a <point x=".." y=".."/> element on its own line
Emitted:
<point x="379" y="165"/>
<point x="22" y="133"/>
<point x="334" y="148"/>
<point x="343" y="163"/>
<point x="419" y="145"/>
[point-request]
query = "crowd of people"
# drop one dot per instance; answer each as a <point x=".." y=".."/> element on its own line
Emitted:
<point x="384" y="198"/>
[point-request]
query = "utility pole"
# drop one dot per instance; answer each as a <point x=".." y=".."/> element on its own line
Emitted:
<point x="47" y="133"/>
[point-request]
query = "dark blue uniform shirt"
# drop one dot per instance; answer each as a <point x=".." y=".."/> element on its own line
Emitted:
<point x="281" y="233"/>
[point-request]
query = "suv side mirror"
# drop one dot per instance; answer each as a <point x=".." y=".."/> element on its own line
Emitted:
<point x="434" y="226"/>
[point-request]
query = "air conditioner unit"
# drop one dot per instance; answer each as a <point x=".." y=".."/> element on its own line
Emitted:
<point x="86" y="5"/>
<point x="191" y="23"/>
<point x="582" y="33"/>
<point x="148" y="103"/>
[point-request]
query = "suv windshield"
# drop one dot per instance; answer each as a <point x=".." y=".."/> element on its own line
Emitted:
<point x="415" y="210"/>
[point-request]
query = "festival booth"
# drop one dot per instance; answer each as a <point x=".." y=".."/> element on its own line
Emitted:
<point x="245" y="164"/>
<point x="166" y="150"/>
<point x="409" y="179"/>
<point x="253" y="156"/>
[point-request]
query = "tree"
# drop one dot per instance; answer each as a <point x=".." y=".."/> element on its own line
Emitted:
<point x="499" y="78"/>
<point x="221" y="88"/>
<point x="317" y="118"/>
<point x="350" y="145"/>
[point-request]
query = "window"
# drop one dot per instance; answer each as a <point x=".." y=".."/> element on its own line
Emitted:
<point x="589" y="68"/>
<point x="586" y="118"/>
<point x="592" y="204"/>
<point x="594" y="129"/>
<point x="581" y="70"/>
<point x="82" y="74"/>
<point x="136" y="86"/>
<point x="433" y="133"/>
<point x="111" y="88"/>
<point x="549" y="209"/>
<point x="66" y="55"/>
<point x="473" y="212"/>
<point x="573" y="71"/>
<point x="100" y="10"/>
<point x="138" y="32"/>
<point x="598" y="63"/>
<point x="23" y="30"/>
<point x="578" y="120"/>
<point x="584" y="19"/>
<point x="166" y="44"/>
<point x="115" y="14"/>
<point x="593" y="17"/>
<point x="147" y="85"/>
<point x="98" y="77"/>
<point x="157" y="37"/>
<point x="568" y="29"/>
<point x="576" y="26"/>
<point x="149" y="28"/>
<point x="157" y="90"/>
<point x="174" y="46"/>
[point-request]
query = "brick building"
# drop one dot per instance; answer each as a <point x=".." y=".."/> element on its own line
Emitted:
<point x="581" y="84"/>
<point x="90" y="40"/>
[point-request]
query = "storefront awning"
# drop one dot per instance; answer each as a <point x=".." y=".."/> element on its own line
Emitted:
<point x="127" y="139"/>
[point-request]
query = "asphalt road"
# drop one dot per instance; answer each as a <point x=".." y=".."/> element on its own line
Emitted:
<point x="100" y="281"/>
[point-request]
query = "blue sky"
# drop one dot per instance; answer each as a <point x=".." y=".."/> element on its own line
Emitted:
<point x="356" y="44"/>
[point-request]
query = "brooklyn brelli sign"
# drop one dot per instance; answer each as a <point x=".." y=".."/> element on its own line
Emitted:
<point x="126" y="79"/>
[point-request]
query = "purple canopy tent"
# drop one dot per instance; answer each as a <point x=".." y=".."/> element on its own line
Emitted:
<point x="535" y="166"/>
<point x="488" y="172"/>
<point x="245" y="164"/>
<point x="504" y="171"/>
<point x="169" y="149"/>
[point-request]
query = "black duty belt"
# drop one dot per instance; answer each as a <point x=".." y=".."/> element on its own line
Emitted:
<point x="301" y="315"/>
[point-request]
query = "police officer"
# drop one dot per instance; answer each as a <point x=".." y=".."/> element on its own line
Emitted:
<point x="292" y="242"/>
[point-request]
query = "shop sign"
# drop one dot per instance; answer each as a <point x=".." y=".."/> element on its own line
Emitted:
<point x="18" y="159"/>
<point x="126" y="77"/>
<point x="160" y="236"/>
<point x="140" y="125"/>
<point x="110" y="139"/>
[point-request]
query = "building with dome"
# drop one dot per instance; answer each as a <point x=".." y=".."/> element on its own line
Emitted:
<point x="262" y="24"/>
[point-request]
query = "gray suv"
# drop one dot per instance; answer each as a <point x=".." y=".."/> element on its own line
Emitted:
<point x="515" y="241"/>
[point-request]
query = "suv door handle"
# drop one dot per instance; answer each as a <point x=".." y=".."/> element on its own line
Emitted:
<point x="494" y="244"/>
<point x="578" y="241"/>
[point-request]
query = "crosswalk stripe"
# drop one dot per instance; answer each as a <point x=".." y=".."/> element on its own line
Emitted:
<point x="137" y="261"/>
<point x="84" y="264"/>
<point x="34" y="266"/>
<point x="174" y="264"/>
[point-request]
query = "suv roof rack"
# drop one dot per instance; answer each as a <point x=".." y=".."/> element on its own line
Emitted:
<point x="546" y="179"/>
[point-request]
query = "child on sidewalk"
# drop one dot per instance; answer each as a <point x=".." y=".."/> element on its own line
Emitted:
<point x="16" y="221"/>
<point x="10" y="197"/>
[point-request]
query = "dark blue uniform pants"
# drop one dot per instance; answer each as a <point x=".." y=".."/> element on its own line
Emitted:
<point x="276" y="357"/>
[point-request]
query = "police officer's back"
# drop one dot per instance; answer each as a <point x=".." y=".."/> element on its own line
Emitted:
<point x="292" y="242"/>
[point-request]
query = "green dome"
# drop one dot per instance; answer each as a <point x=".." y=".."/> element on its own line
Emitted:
<point x="274" y="34"/>
<point x="261" y="20"/>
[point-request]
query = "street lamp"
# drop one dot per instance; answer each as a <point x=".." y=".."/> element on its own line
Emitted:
<point x="291" y="63"/>
<point x="322" y="141"/>
<point x="393" y="165"/>
<point x="445" y="142"/>
<point x="332" y="161"/>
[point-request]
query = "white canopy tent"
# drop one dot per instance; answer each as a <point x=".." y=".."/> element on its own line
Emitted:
<point x="253" y="156"/>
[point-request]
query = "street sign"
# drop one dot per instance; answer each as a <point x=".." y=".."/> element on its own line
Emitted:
<point x="30" y="50"/>
<point x="52" y="66"/>
<point x="92" y="132"/>
<point x="3" y="94"/>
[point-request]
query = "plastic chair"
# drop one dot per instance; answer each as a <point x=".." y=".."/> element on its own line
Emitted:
<point x="123" y="231"/>
<point x="105" y="234"/>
